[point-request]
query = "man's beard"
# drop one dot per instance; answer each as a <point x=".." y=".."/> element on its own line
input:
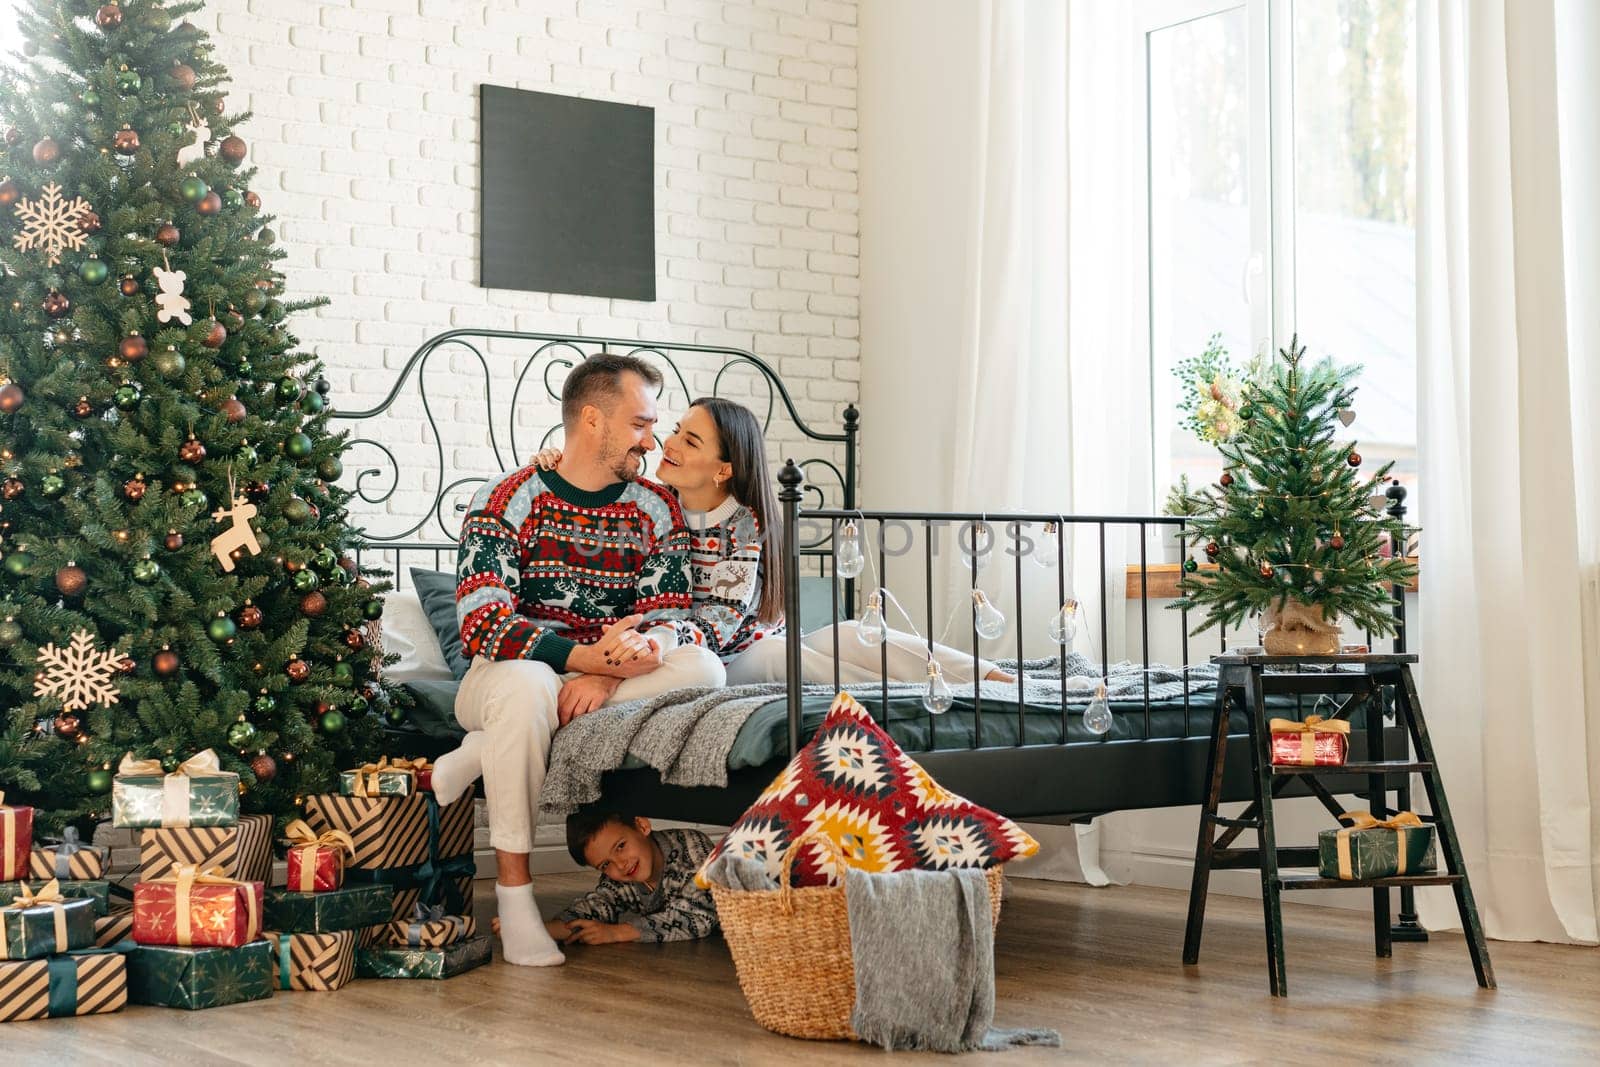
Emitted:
<point x="628" y="465"/>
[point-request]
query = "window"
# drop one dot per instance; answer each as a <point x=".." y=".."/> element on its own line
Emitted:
<point x="1280" y="172"/>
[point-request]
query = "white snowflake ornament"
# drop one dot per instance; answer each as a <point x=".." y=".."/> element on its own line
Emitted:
<point x="79" y="674"/>
<point x="50" y="224"/>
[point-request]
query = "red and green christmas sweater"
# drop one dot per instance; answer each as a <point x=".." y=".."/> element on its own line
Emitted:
<point x="545" y="566"/>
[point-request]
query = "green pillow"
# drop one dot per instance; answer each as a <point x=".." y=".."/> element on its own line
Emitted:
<point x="437" y="591"/>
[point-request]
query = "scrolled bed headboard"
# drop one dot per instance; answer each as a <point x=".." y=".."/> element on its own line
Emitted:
<point x="469" y="404"/>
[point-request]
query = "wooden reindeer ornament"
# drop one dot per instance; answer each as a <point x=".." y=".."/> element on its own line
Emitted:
<point x="239" y="535"/>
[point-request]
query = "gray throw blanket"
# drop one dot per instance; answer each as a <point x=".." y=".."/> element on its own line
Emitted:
<point x="686" y="734"/>
<point x="923" y="949"/>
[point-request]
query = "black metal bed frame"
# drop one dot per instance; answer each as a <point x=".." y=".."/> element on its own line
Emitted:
<point x="1068" y="781"/>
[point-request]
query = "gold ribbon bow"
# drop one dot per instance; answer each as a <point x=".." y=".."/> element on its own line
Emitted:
<point x="174" y="786"/>
<point x="306" y="841"/>
<point x="186" y="878"/>
<point x="365" y="783"/>
<point x="1308" y="731"/>
<point x="48" y="897"/>
<point x="1365" y="820"/>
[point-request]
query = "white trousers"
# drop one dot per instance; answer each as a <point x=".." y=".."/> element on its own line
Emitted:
<point x="858" y="662"/>
<point x="514" y="702"/>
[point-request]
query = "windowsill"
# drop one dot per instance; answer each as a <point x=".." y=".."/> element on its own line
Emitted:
<point x="1164" y="579"/>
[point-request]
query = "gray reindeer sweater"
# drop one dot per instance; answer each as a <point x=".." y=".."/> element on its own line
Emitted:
<point x="678" y="910"/>
<point x="725" y="547"/>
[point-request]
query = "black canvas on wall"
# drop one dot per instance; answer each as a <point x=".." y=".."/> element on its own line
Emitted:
<point x="568" y="201"/>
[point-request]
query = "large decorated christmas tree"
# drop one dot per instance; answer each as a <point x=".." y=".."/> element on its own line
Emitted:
<point x="174" y="564"/>
<point x="1294" y="532"/>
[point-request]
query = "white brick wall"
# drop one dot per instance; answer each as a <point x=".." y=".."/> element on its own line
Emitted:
<point x="365" y="133"/>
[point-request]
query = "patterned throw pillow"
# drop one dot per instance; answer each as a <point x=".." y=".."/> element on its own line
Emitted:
<point x="884" y="812"/>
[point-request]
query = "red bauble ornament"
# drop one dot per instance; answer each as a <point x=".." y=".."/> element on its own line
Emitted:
<point x="13" y="135"/>
<point x="264" y="767"/>
<point x="355" y="640"/>
<point x="1213" y="549"/>
<point x="232" y="150"/>
<point x="1226" y="480"/>
<point x="313" y="604"/>
<point x="192" y="451"/>
<point x="11" y="397"/>
<point x="167" y="234"/>
<point x="10" y="193"/>
<point x="11" y="488"/>
<point x="1336" y="541"/>
<point x="71" y="580"/>
<point x="46" y="152"/>
<point x="165" y="663"/>
<point x="249" y="617"/>
<point x="134" y="488"/>
<point x="219" y="105"/>
<point x="55" y="304"/>
<point x="125" y="141"/>
<point x="257" y="492"/>
<point x="133" y="348"/>
<point x="127" y="665"/>
<point x="82" y="409"/>
<point x="216" y="334"/>
<point x="108" y="17"/>
<point x="173" y="541"/>
<point x="233" y="409"/>
<point x="68" y="727"/>
<point x="253" y="199"/>
<point x="210" y="204"/>
<point x="1354" y="459"/>
<point x="298" y="670"/>
<point x="129" y="285"/>
<point x="182" y="76"/>
<point x="89" y="223"/>
<point x="1266" y="569"/>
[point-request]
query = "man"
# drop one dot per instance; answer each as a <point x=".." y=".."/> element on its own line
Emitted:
<point x="558" y="574"/>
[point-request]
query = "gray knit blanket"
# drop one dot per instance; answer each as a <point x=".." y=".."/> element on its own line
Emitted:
<point x="686" y="734"/>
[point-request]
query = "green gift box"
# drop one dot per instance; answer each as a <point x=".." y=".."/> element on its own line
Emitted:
<point x="93" y="982"/>
<point x="198" y="793"/>
<point x="55" y="924"/>
<point x="195" y="978"/>
<point x="349" y="908"/>
<point x="97" y="890"/>
<point x="386" y="778"/>
<point x="444" y="962"/>
<point x="1374" y="848"/>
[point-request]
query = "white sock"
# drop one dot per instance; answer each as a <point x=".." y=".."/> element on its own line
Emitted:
<point x="454" y="772"/>
<point x="523" y="938"/>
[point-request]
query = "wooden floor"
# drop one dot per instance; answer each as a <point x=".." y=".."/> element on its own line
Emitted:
<point x="1102" y="965"/>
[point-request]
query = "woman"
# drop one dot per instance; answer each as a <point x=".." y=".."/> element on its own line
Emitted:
<point x="716" y="461"/>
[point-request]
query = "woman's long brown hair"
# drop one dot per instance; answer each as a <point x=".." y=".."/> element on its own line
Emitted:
<point x="744" y="448"/>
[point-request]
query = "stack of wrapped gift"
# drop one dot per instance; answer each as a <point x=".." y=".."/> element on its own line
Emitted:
<point x="402" y="838"/>
<point x="48" y="963"/>
<point x="80" y="870"/>
<point x="315" y="921"/>
<point x="198" y="905"/>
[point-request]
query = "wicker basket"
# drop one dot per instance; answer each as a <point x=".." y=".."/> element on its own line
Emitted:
<point x="791" y="949"/>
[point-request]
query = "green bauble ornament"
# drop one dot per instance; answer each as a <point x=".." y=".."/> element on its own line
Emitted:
<point x="193" y="189"/>
<point x="93" y="271"/>
<point x="358" y="706"/>
<point x="254" y="301"/>
<point x="98" y="781"/>
<point x="196" y="500"/>
<point x="332" y="722"/>
<point x="372" y="610"/>
<point x="232" y="197"/>
<point x="247" y="455"/>
<point x="394" y="715"/>
<point x="312" y="403"/>
<point x="52" y="485"/>
<point x="298" y="446"/>
<point x="91" y="98"/>
<point x="330" y="469"/>
<point x="175" y="129"/>
<point x="128" y="81"/>
<point x="10" y="632"/>
<point x="1191" y="565"/>
<point x="296" y="510"/>
<point x="170" y="363"/>
<point x="146" y="571"/>
<point x="1258" y="513"/>
<point x="126" y="397"/>
<point x="241" y="734"/>
<point x="1247" y="412"/>
<point x="18" y="562"/>
<point x="305" y="580"/>
<point x="288" y="389"/>
<point x="222" y="629"/>
<point x="170" y="762"/>
<point x="325" y="559"/>
<point x="343" y="676"/>
<point x="264" y="704"/>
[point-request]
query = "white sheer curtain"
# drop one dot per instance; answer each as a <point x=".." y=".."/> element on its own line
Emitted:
<point x="1509" y="277"/>
<point x="1042" y="423"/>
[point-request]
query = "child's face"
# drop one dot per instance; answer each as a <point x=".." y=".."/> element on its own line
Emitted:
<point x="623" y="852"/>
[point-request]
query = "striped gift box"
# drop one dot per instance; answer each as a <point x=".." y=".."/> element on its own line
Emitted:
<point x="87" y="863"/>
<point x="393" y="831"/>
<point x="243" y="851"/>
<point x="117" y="925"/>
<point x="78" y="983"/>
<point x="455" y="895"/>
<point x="319" y="963"/>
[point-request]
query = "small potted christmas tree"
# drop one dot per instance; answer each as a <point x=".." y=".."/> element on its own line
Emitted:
<point x="1294" y="531"/>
